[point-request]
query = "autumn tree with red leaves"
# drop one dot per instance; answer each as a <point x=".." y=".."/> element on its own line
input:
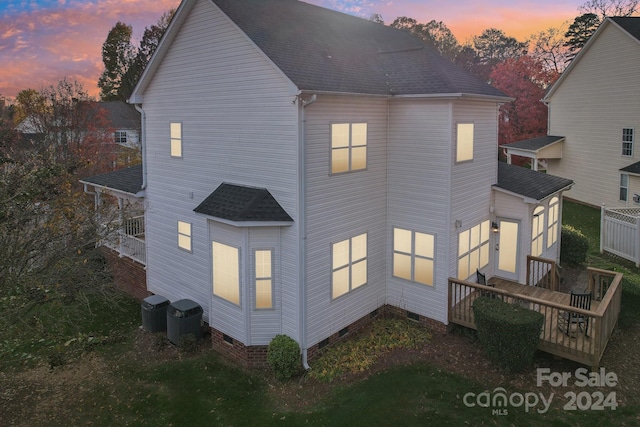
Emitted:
<point x="525" y="79"/>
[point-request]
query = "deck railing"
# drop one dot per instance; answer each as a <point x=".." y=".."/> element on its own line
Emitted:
<point x="580" y="347"/>
<point x="542" y="272"/>
<point x="127" y="238"/>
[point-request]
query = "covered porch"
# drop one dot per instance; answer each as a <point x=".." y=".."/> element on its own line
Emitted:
<point x="541" y="294"/>
<point x="119" y="201"/>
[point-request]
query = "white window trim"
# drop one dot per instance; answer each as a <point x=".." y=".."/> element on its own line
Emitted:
<point x="537" y="231"/>
<point x="349" y="265"/>
<point x="462" y="131"/>
<point x="188" y="236"/>
<point x="256" y="279"/>
<point x="173" y="139"/>
<point x="349" y="148"/>
<point x="483" y="245"/>
<point x="552" y="221"/>
<point x="626" y="188"/>
<point x="414" y="256"/>
<point x="238" y="289"/>
<point x="630" y="142"/>
<point x="121" y="135"/>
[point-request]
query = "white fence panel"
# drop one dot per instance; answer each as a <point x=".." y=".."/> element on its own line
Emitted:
<point x="620" y="234"/>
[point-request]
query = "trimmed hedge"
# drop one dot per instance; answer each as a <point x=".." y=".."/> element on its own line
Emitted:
<point x="508" y="333"/>
<point x="573" y="246"/>
<point x="283" y="357"/>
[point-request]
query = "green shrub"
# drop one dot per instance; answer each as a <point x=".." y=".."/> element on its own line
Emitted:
<point x="283" y="356"/>
<point x="508" y="333"/>
<point x="574" y="246"/>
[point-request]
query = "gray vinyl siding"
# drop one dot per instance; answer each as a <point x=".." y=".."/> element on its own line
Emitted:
<point x="419" y="192"/>
<point x="241" y="128"/>
<point x="598" y="98"/>
<point x="343" y="206"/>
<point x="471" y="181"/>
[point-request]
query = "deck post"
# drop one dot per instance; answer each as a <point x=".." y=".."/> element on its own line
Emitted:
<point x="603" y="211"/>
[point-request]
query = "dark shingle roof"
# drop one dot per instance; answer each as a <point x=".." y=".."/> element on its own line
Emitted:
<point x="634" y="168"/>
<point x="128" y="180"/>
<point x="630" y="24"/>
<point x="529" y="183"/>
<point x="121" y="115"/>
<point x="534" y="144"/>
<point x="324" y="50"/>
<point x="241" y="203"/>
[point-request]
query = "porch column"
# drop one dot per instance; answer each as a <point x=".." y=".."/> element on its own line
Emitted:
<point x="120" y="225"/>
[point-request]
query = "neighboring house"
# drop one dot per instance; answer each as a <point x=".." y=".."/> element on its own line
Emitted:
<point x="125" y="121"/>
<point x="305" y="169"/>
<point x="594" y="117"/>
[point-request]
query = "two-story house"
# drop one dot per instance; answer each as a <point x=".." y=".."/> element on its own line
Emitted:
<point x="594" y="117"/>
<point x="305" y="170"/>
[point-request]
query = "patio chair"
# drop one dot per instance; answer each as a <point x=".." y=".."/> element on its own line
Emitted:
<point x="481" y="279"/>
<point x="567" y="320"/>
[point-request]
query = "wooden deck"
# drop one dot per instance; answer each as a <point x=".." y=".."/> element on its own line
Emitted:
<point x="578" y="346"/>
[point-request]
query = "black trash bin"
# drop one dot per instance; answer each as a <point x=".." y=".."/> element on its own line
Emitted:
<point x="184" y="317"/>
<point x="154" y="313"/>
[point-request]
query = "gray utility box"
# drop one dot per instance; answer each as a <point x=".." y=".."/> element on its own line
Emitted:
<point x="154" y="313"/>
<point x="184" y="317"/>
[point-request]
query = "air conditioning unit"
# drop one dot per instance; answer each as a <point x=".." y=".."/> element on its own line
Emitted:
<point x="636" y="199"/>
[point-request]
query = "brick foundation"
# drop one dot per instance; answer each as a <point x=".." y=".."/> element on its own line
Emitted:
<point x="128" y="275"/>
<point x="256" y="356"/>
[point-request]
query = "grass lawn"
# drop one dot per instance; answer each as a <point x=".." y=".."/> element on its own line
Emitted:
<point x="130" y="377"/>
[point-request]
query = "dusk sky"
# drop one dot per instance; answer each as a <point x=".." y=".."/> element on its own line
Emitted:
<point x="44" y="41"/>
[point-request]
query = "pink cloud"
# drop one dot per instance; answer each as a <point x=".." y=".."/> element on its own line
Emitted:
<point x="40" y="47"/>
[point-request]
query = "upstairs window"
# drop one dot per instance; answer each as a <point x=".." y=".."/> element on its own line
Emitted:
<point x="464" y="142"/>
<point x="348" y="147"/>
<point x="537" y="231"/>
<point x="348" y="265"/>
<point x="627" y="142"/>
<point x="121" y="137"/>
<point x="176" y="139"/>
<point x="184" y="235"/>
<point x="413" y="256"/>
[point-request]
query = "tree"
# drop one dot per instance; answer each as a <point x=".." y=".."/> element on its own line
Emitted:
<point x="117" y="54"/>
<point x="525" y="78"/>
<point x="604" y="8"/>
<point x="549" y="47"/>
<point x="141" y="57"/>
<point x="377" y="18"/>
<point x="493" y="47"/>
<point x="579" y="32"/>
<point x="433" y="32"/>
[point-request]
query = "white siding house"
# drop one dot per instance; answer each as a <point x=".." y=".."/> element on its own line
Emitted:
<point x="304" y="169"/>
<point x="594" y="115"/>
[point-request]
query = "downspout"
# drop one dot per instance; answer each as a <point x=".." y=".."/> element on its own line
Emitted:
<point x="302" y="215"/>
<point x="143" y="144"/>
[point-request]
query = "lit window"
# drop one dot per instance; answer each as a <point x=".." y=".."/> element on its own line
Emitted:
<point x="627" y="142"/>
<point x="226" y="272"/>
<point x="176" y="139"/>
<point x="264" y="278"/>
<point x="121" y="137"/>
<point x="624" y="187"/>
<point x="184" y="235"/>
<point x="348" y="147"/>
<point x="349" y="265"/>
<point x="473" y="249"/>
<point x="413" y="255"/>
<point x="552" y="228"/>
<point x="537" y="231"/>
<point x="464" y="142"/>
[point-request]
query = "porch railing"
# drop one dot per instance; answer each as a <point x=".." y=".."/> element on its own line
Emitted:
<point x="583" y="348"/>
<point x="127" y="238"/>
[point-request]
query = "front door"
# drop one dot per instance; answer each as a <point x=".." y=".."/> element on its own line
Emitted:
<point x="507" y="249"/>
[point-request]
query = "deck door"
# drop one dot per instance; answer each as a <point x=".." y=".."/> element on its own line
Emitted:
<point x="507" y="248"/>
